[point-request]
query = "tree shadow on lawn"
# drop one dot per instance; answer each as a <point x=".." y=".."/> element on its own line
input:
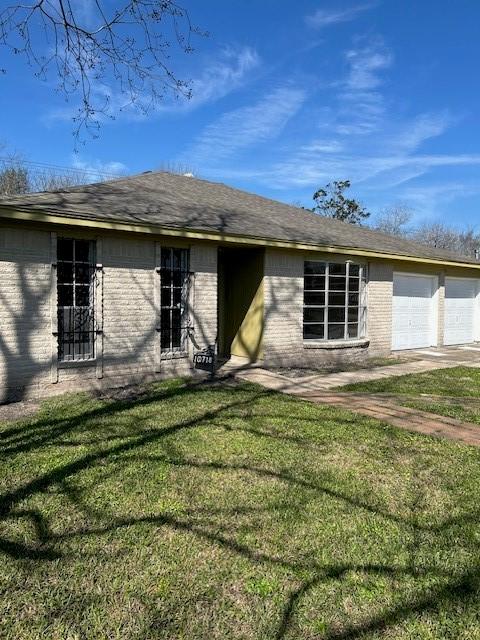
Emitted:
<point x="47" y="431"/>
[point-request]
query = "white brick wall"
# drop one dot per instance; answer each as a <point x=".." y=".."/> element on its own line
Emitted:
<point x="379" y="307"/>
<point x="283" y="291"/>
<point x="283" y="338"/>
<point x="130" y="336"/>
<point x="128" y="306"/>
<point x="25" y="332"/>
<point x="129" y="318"/>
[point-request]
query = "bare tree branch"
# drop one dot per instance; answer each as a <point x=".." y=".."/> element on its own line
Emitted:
<point x="126" y="48"/>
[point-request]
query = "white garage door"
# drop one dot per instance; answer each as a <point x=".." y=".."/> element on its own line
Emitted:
<point x="460" y="296"/>
<point x="413" y="312"/>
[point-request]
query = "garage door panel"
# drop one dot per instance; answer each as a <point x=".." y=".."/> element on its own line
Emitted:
<point x="460" y="301"/>
<point x="413" y="313"/>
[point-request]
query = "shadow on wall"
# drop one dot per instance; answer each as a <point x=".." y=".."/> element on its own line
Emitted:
<point x="24" y="316"/>
<point x="26" y="332"/>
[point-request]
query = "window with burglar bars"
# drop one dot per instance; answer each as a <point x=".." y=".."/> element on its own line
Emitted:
<point x="175" y="280"/>
<point x="75" y="299"/>
<point x="333" y="301"/>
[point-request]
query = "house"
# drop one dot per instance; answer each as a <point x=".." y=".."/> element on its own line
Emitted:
<point x="123" y="281"/>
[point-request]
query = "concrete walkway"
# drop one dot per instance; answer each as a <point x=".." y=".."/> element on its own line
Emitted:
<point x="318" y="389"/>
<point x="418" y="362"/>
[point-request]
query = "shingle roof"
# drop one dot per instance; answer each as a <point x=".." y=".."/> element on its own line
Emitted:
<point x="183" y="202"/>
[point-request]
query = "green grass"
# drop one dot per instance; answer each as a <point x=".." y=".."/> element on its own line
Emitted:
<point x="233" y="513"/>
<point x="455" y="381"/>
<point x="459" y="410"/>
<point x="453" y="392"/>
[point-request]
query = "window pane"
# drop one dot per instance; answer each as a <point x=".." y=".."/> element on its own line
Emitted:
<point x="165" y="328"/>
<point x="166" y="278"/>
<point x="314" y="298"/>
<point x="83" y="345"/>
<point x="314" y="282"/>
<point x="83" y="320"/>
<point x="65" y="249"/>
<point x="82" y="251"/>
<point x="65" y="272"/>
<point x="353" y="314"/>
<point x="336" y="283"/>
<point x="176" y="328"/>
<point x="313" y="315"/>
<point x="65" y="295"/>
<point x="336" y="314"/>
<point x="313" y="332"/>
<point x="353" y="284"/>
<point x="83" y="273"/>
<point x="65" y="332"/>
<point x="82" y="295"/>
<point x="174" y="294"/>
<point x="336" y="331"/>
<point x="353" y="330"/>
<point x="336" y="299"/>
<point x="311" y="266"/>
<point x="353" y="300"/>
<point x="177" y="278"/>
<point x="166" y="259"/>
<point x="166" y="297"/>
<point x="165" y="318"/>
<point x="354" y="270"/>
<point x="177" y="258"/>
<point x="76" y="335"/>
<point x="177" y="297"/>
<point x="165" y="339"/>
<point x="336" y="269"/>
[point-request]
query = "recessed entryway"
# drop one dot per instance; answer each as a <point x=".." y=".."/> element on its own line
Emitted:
<point x="240" y="303"/>
<point x="460" y="310"/>
<point x="414" y="313"/>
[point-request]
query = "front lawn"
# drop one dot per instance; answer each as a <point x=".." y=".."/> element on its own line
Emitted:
<point x="451" y="392"/>
<point x="231" y="512"/>
<point x="455" y="381"/>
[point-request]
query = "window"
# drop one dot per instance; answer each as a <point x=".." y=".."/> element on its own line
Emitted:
<point x="333" y="301"/>
<point x="174" y="299"/>
<point x="75" y="299"/>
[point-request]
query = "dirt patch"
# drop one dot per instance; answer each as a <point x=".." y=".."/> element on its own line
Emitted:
<point x="18" y="410"/>
<point x="368" y="365"/>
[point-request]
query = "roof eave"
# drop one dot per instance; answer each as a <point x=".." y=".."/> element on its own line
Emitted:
<point x="14" y="213"/>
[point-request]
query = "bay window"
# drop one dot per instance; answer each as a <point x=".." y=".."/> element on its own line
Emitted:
<point x="333" y="301"/>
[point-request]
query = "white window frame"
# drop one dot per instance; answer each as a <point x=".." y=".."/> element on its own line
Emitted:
<point x="362" y="302"/>
<point x="76" y="358"/>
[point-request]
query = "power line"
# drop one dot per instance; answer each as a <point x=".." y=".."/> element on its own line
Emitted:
<point x="44" y="166"/>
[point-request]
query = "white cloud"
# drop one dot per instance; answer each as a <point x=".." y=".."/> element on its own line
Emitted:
<point x="423" y="127"/>
<point x="222" y="76"/>
<point x="365" y="63"/>
<point x="245" y="127"/>
<point x="218" y="78"/>
<point x="97" y="170"/>
<point x="362" y="141"/>
<point x="326" y="17"/>
<point x="361" y="104"/>
<point x="428" y="200"/>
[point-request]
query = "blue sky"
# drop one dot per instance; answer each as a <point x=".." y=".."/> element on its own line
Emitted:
<point x="289" y="96"/>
